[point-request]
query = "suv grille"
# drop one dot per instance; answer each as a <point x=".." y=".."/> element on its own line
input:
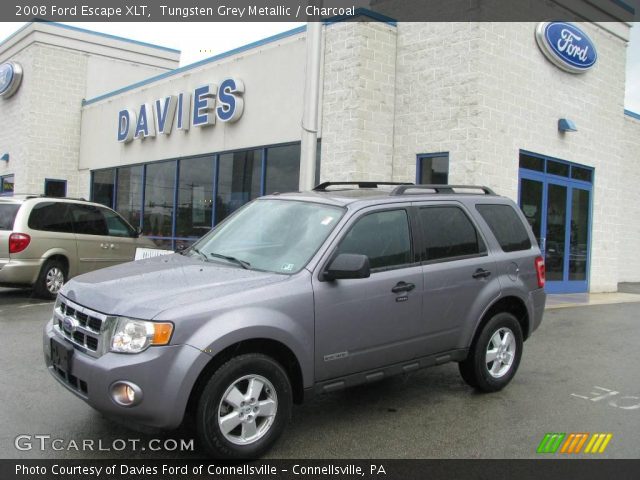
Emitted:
<point x="84" y="328"/>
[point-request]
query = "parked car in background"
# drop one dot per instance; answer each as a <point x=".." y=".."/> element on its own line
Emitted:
<point x="298" y="294"/>
<point x="45" y="241"/>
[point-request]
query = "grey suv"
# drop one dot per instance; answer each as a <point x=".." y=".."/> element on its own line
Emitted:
<point x="298" y="294"/>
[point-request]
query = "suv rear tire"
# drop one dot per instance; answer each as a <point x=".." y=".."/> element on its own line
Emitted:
<point x="244" y="407"/>
<point x="53" y="275"/>
<point x="495" y="354"/>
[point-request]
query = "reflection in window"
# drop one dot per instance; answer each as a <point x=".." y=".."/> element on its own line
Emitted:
<point x="129" y="196"/>
<point x="434" y="169"/>
<point x="283" y="169"/>
<point x="238" y="181"/>
<point x="158" y="199"/>
<point x="102" y="187"/>
<point x="195" y="197"/>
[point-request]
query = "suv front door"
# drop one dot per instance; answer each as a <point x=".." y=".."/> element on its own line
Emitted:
<point x="362" y="324"/>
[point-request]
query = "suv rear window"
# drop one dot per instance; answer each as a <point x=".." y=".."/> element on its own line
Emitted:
<point x="506" y="225"/>
<point x="51" y="217"/>
<point x="8" y="212"/>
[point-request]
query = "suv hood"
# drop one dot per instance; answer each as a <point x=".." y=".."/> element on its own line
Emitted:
<point x="145" y="288"/>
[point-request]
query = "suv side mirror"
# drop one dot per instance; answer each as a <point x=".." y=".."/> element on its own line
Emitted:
<point x="348" y="265"/>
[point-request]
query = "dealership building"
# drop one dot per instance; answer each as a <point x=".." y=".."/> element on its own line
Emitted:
<point x="534" y="111"/>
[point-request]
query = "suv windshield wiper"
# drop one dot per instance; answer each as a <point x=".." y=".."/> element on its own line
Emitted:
<point x="204" y="257"/>
<point x="242" y="263"/>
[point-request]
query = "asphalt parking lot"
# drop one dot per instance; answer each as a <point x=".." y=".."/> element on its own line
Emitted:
<point x="579" y="373"/>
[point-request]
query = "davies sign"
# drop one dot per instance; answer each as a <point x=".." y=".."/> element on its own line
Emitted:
<point x="187" y="109"/>
<point x="566" y="46"/>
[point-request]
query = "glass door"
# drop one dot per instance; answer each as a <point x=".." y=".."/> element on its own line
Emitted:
<point x="559" y="212"/>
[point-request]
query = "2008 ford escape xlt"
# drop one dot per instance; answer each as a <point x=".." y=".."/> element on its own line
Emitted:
<point x="298" y="294"/>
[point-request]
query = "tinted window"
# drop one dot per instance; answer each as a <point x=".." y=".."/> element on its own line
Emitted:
<point x="434" y="169"/>
<point x="382" y="236"/>
<point x="195" y="197"/>
<point x="283" y="169"/>
<point x="239" y="180"/>
<point x="447" y="233"/>
<point x="102" y="187"/>
<point x="159" y="190"/>
<point x="51" y="217"/>
<point x="129" y="196"/>
<point x="116" y="226"/>
<point x="55" y="188"/>
<point x="8" y="214"/>
<point x="506" y="225"/>
<point x="557" y="168"/>
<point x="88" y="220"/>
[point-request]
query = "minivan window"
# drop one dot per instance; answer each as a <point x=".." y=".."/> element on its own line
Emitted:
<point x="506" y="225"/>
<point x="116" y="226"/>
<point x="8" y="212"/>
<point x="383" y="237"/>
<point x="88" y="220"/>
<point x="447" y="233"/>
<point x="51" y="217"/>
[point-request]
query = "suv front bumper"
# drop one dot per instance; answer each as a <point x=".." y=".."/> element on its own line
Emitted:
<point x="166" y="376"/>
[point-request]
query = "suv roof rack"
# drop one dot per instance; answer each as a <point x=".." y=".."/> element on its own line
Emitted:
<point x="441" y="189"/>
<point x="361" y="184"/>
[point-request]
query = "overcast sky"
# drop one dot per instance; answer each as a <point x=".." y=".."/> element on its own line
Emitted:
<point x="198" y="40"/>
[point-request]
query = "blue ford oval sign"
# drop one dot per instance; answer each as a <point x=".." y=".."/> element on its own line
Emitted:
<point x="566" y="46"/>
<point x="10" y="77"/>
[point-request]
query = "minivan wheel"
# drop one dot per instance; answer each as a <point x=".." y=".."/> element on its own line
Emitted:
<point x="244" y="407"/>
<point x="52" y="276"/>
<point x="495" y="354"/>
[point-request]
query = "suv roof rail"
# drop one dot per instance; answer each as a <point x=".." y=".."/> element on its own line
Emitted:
<point x="443" y="189"/>
<point x="80" y="199"/>
<point x="361" y="184"/>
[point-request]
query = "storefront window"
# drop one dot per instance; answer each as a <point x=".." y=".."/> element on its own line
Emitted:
<point x="159" y="191"/>
<point x="433" y="169"/>
<point x="195" y="197"/>
<point x="129" y="196"/>
<point x="239" y="181"/>
<point x="283" y="169"/>
<point x="102" y="187"/>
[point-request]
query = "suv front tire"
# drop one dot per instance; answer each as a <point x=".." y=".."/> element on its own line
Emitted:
<point x="244" y="407"/>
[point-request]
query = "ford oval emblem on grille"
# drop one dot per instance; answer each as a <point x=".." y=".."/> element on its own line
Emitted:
<point x="69" y="324"/>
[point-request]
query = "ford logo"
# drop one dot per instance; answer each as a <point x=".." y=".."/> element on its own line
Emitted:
<point x="69" y="324"/>
<point x="566" y="46"/>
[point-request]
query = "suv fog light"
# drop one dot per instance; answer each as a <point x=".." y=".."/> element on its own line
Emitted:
<point x="126" y="394"/>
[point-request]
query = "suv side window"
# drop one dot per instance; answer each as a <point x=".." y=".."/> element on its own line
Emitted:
<point x="384" y="237"/>
<point x="506" y="226"/>
<point x="116" y="226"/>
<point x="51" y="217"/>
<point x="448" y="234"/>
<point x="88" y="220"/>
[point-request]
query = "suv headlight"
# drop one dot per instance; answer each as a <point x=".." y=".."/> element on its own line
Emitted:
<point x="135" y="336"/>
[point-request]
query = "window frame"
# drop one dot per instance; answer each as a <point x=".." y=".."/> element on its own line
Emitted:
<point x="421" y="156"/>
<point x="420" y="237"/>
<point x="359" y="216"/>
<point x="2" y="192"/>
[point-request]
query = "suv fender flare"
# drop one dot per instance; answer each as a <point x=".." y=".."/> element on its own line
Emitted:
<point x="505" y="294"/>
<point x="249" y="324"/>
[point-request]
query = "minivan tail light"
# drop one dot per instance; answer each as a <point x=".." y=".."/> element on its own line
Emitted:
<point x="18" y="242"/>
<point x="540" y="271"/>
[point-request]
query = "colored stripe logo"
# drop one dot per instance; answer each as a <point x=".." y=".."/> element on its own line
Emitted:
<point x="574" y="442"/>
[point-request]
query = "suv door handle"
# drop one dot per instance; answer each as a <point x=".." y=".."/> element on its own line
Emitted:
<point x="481" y="273"/>
<point x="403" y="287"/>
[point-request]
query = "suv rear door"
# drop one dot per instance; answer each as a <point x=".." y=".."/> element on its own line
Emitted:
<point x="460" y="277"/>
<point x="361" y="324"/>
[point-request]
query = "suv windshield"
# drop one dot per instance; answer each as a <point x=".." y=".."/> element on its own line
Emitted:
<point x="278" y="236"/>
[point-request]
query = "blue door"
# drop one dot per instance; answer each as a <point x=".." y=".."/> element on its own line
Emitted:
<point x="557" y="204"/>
